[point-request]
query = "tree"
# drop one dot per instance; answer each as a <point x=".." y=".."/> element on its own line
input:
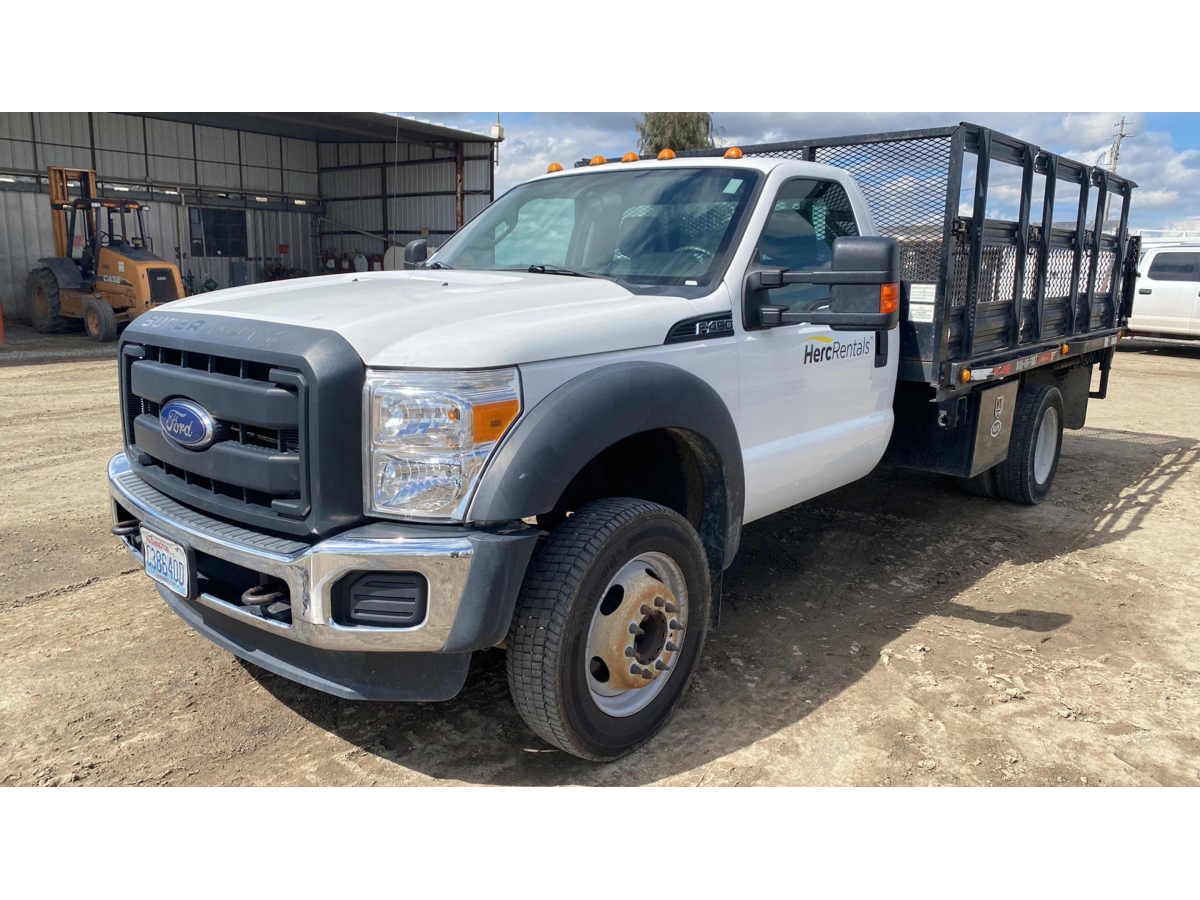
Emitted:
<point x="676" y="130"/>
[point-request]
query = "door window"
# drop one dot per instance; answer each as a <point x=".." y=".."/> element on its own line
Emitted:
<point x="808" y="216"/>
<point x="1175" y="267"/>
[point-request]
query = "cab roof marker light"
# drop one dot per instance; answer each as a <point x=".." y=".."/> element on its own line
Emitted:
<point x="667" y="153"/>
<point x="733" y="153"/>
<point x="631" y="156"/>
<point x="552" y="168"/>
<point x="598" y="160"/>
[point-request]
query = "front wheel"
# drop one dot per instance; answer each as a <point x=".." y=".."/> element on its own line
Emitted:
<point x="99" y="320"/>
<point x="609" y="627"/>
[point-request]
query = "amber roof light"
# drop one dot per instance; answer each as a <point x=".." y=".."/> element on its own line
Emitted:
<point x="666" y="154"/>
<point x="553" y="167"/>
<point x="598" y="160"/>
<point x="733" y="153"/>
<point x="630" y="157"/>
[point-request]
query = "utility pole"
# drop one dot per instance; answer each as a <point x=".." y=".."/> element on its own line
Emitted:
<point x="1112" y="165"/>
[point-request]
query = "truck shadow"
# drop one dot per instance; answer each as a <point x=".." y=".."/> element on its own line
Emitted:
<point x="818" y="597"/>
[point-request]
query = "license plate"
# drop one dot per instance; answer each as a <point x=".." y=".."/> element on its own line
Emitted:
<point x="166" y="562"/>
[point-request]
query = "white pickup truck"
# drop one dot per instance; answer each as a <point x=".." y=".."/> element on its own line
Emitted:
<point x="1167" y="306"/>
<point x="548" y="435"/>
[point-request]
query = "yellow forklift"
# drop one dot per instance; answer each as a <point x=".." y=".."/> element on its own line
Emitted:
<point x="101" y="272"/>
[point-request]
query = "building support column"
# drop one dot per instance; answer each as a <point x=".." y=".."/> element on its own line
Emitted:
<point x="458" y="186"/>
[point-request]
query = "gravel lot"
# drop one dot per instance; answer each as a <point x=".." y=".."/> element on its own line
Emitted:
<point x="893" y="632"/>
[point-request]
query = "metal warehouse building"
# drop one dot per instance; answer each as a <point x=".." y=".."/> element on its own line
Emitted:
<point x="233" y="194"/>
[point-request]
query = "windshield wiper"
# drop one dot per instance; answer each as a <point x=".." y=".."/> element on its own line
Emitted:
<point x="437" y="265"/>
<point x="552" y="269"/>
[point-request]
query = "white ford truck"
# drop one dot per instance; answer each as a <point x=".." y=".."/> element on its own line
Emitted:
<point x="548" y="435"/>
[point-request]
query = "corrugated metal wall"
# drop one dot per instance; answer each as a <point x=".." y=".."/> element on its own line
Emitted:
<point x="138" y="152"/>
<point x="399" y="192"/>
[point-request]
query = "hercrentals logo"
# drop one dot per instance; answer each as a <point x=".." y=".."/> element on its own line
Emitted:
<point x="824" y="349"/>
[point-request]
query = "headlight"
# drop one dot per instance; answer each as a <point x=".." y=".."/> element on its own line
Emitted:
<point x="429" y="434"/>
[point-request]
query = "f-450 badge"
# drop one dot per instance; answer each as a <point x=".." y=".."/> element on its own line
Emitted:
<point x="714" y="326"/>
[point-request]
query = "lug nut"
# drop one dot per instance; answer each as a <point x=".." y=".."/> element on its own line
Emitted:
<point x="673" y="625"/>
<point x="671" y="646"/>
<point x="633" y="629"/>
<point x="658" y="601"/>
<point x="646" y="610"/>
<point x="635" y="669"/>
<point x="647" y="674"/>
<point x="629" y="651"/>
<point x="658" y="664"/>
<point x="672" y="608"/>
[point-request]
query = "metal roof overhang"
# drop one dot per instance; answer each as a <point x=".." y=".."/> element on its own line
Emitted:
<point x="339" y="127"/>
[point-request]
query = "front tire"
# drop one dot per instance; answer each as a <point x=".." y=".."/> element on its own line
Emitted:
<point x="609" y="627"/>
<point x="1033" y="451"/>
<point x="99" y="320"/>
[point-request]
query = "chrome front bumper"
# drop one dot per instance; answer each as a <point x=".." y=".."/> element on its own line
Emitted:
<point x="444" y="555"/>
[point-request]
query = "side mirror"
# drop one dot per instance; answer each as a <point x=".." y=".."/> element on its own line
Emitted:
<point x="415" y="253"/>
<point x="864" y="288"/>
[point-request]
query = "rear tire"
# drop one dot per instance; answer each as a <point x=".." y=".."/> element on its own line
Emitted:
<point x="589" y="634"/>
<point x="1033" y="452"/>
<point x="44" y="304"/>
<point x="982" y="485"/>
<point x="99" y="320"/>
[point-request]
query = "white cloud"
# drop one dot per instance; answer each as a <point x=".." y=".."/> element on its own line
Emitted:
<point x="1169" y="179"/>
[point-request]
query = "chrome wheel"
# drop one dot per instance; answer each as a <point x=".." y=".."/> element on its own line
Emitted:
<point x="636" y="634"/>
<point x="1046" y="446"/>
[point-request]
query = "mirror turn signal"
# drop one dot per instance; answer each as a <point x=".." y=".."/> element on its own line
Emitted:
<point x="889" y="298"/>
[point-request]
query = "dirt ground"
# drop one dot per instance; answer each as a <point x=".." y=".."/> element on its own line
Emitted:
<point x="893" y="632"/>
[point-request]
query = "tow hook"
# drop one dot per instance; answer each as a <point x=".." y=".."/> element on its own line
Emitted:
<point x="269" y="601"/>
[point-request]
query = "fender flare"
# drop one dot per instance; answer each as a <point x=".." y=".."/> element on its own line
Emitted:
<point x="65" y="272"/>
<point x="584" y="416"/>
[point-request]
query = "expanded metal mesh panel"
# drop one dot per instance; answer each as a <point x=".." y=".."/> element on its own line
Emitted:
<point x="904" y="182"/>
<point x="905" y="186"/>
<point x="1104" y="271"/>
<point x="1058" y="272"/>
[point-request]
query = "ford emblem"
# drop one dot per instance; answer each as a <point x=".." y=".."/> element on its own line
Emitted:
<point x="187" y="424"/>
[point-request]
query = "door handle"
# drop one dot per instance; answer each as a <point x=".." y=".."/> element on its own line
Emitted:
<point x="1145" y="291"/>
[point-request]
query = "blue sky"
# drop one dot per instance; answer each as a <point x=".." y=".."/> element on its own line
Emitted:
<point x="1161" y="153"/>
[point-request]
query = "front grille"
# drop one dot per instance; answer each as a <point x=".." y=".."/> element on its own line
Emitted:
<point x="257" y="460"/>
<point x="162" y="285"/>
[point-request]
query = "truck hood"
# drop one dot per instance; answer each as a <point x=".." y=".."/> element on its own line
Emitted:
<point x="456" y="319"/>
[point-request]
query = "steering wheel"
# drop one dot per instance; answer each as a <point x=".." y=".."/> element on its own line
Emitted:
<point x="104" y="239"/>
<point x="701" y="252"/>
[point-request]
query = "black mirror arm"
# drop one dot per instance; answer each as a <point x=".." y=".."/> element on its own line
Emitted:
<point x="766" y="279"/>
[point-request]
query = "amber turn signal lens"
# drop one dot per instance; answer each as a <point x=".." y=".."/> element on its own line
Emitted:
<point x="966" y="375"/>
<point x="630" y="157"/>
<point x="598" y="160"/>
<point x="1065" y="348"/>
<point x="889" y="298"/>
<point x="491" y="419"/>
<point x="733" y="153"/>
<point x="666" y="154"/>
<point x="553" y="167"/>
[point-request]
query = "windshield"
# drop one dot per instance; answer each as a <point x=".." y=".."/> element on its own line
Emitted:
<point x="650" y="226"/>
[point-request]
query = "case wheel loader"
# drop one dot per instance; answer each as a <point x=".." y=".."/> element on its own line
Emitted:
<point x="100" y="273"/>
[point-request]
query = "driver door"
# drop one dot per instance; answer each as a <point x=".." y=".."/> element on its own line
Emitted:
<point x="816" y="412"/>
